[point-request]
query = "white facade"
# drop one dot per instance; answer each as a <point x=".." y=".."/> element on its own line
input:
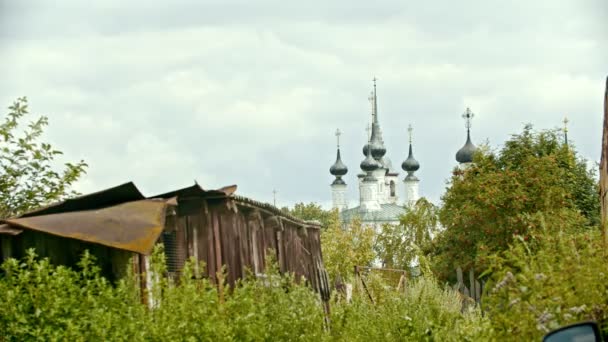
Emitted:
<point x="368" y="195"/>
<point x="411" y="188"/>
<point x="338" y="196"/>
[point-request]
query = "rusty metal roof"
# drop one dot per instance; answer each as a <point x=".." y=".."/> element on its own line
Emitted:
<point x="196" y="191"/>
<point x="133" y="226"/>
<point x="126" y="192"/>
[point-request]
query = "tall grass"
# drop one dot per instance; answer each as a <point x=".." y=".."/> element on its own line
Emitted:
<point x="40" y="301"/>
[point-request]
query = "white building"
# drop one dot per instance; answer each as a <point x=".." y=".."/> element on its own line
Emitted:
<point x="378" y="182"/>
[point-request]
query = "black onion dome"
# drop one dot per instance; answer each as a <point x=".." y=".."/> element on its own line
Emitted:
<point x="369" y="164"/>
<point x="338" y="169"/>
<point x="465" y="154"/>
<point x="410" y="164"/>
<point x="378" y="149"/>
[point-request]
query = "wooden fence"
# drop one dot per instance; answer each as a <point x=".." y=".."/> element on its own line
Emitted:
<point x="471" y="293"/>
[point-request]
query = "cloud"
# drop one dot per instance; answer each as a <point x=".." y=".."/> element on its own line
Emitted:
<point x="250" y="93"/>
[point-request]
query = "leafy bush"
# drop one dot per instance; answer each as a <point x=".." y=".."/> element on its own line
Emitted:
<point x="42" y="302"/>
<point x="422" y="311"/>
<point x="399" y="245"/>
<point x="563" y="281"/>
<point x="345" y="247"/>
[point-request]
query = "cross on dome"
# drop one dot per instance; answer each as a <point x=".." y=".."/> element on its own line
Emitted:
<point x="468" y="116"/>
<point x="338" y="133"/>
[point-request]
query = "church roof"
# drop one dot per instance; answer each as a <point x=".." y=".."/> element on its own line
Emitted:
<point x="389" y="212"/>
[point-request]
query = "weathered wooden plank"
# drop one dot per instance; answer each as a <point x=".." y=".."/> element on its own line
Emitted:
<point x="604" y="171"/>
<point x="217" y="240"/>
<point x="210" y="259"/>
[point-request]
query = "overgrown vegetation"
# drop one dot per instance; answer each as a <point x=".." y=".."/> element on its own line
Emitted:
<point x="562" y="281"/>
<point x="344" y="248"/>
<point x="398" y="246"/>
<point x="535" y="181"/>
<point x="42" y="302"/>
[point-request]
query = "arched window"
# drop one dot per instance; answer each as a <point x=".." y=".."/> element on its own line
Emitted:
<point x="392" y="188"/>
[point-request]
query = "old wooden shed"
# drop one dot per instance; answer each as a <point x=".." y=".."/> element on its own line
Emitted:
<point x="213" y="226"/>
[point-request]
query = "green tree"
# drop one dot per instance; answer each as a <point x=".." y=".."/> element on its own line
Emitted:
<point x="27" y="177"/>
<point x="346" y="247"/>
<point x="534" y="181"/>
<point x="311" y="212"/>
<point x="397" y="246"/>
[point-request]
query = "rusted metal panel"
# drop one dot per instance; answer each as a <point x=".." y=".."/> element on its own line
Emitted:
<point x="195" y="191"/>
<point x="123" y="193"/>
<point x="133" y="226"/>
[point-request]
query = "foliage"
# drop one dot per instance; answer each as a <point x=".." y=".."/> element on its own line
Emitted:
<point x="346" y="247"/>
<point x="398" y="246"/>
<point x="27" y="177"/>
<point x="533" y="180"/>
<point x="311" y="212"/>
<point x="564" y="281"/>
<point x="41" y="302"/>
<point x="422" y="311"/>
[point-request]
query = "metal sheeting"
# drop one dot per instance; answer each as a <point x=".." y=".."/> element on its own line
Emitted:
<point x="196" y="191"/>
<point x="133" y="226"/>
<point x="126" y="192"/>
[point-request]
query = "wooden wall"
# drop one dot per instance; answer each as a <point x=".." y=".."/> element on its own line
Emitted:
<point x="239" y="236"/>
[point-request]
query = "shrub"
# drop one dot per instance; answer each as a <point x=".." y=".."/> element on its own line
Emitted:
<point x="39" y="301"/>
<point x="564" y="281"/>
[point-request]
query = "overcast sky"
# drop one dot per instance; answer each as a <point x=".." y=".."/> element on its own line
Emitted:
<point x="251" y="92"/>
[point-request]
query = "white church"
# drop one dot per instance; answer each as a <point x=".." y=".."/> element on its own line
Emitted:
<point x="379" y="202"/>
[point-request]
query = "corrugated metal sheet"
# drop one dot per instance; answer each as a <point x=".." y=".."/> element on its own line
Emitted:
<point x="133" y="226"/>
<point x="126" y="192"/>
<point x="196" y="191"/>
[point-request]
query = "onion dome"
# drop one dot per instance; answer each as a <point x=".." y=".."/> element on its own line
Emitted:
<point x="338" y="169"/>
<point x="410" y="164"/>
<point x="369" y="164"/>
<point x="465" y="154"/>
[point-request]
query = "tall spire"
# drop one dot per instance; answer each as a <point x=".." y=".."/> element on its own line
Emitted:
<point x="375" y="103"/>
<point x="465" y="154"/>
<point x="566" y="121"/>
<point x="376" y="143"/>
